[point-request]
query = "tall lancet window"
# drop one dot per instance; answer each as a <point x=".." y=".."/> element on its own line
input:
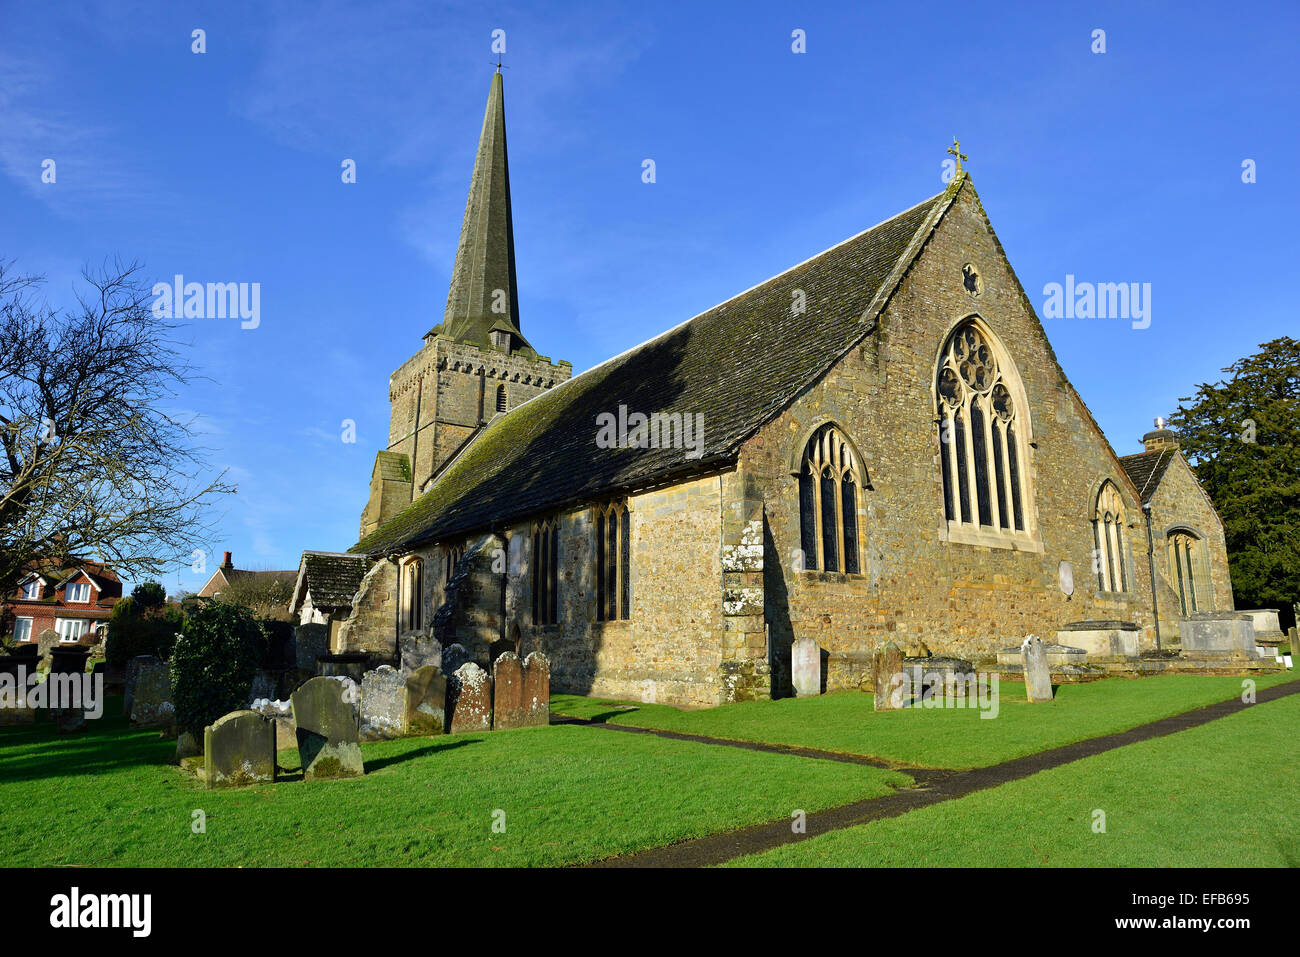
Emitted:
<point x="1108" y="539"/>
<point x="981" y="431"/>
<point x="829" y="481"/>
<point x="1189" y="571"/>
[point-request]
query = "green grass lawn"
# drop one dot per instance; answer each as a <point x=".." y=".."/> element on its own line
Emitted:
<point x="1223" y="794"/>
<point x="953" y="738"/>
<point x="570" y="794"/>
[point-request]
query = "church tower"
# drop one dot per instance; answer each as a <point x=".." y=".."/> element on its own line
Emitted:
<point x="475" y="363"/>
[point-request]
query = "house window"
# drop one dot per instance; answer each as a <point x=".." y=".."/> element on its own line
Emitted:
<point x="613" y="561"/>
<point x="70" y="629"/>
<point x="415" y="595"/>
<point x="78" y="592"/>
<point x="1108" y="540"/>
<point x="23" y="629"/>
<point x="31" y="591"/>
<point x="546" y="560"/>
<point x="1186" y="563"/>
<point x="502" y="398"/>
<point x="828" y="503"/>
<point x="980" y="433"/>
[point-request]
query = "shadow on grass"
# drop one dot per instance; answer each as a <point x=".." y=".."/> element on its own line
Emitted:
<point x="376" y="764"/>
<point x="38" y="751"/>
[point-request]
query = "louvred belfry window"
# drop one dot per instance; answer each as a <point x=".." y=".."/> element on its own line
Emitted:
<point x="980" y="436"/>
<point x="828" y="503"/>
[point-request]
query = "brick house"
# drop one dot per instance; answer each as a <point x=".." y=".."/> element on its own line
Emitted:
<point x="878" y="444"/>
<point x="74" y="598"/>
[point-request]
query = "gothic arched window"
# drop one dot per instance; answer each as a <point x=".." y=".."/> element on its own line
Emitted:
<point x="453" y="556"/>
<point x="1187" y="569"/>
<point x="828" y="503"/>
<point x="981" y="431"/>
<point x="414" y="595"/>
<point x="1108" y="539"/>
<point x="613" y="563"/>
<point x="546" y="576"/>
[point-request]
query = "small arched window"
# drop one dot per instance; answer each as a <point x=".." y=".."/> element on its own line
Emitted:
<point x="453" y="556"/>
<point x="829" y="481"/>
<point x="613" y="563"/>
<point x="414" y="595"/>
<point x="981" y="431"/>
<point x="1108" y="539"/>
<point x="503" y="398"/>
<point x="1187" y="569"/>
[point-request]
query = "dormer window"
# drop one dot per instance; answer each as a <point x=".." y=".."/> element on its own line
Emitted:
<point x="501" y="340"/>
<point x="31" y="590"/>
<point x="78" y="592"/>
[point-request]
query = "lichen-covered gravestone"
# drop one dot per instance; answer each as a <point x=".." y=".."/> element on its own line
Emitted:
<point x="537" y="690"/>
<point x="325" y="716"/>
<point x="239" y="749"/>
<point x="383" y="704"/>
<point x="45" y="642"/>
<point x="280" y="713"/>
<point x="1038" y="675"/>
<point x="806" y="667"/>
<point x="420" y="650"/>
<point x="426" y="701"/>
<point x="887" y="677"/>
<point x="151" y="704"/>
<point x="508" y="692"/>
<point x="471" y="700"/>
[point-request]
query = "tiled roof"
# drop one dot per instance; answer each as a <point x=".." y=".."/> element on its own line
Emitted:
<point x="737" y="365"/>
<point x="1146" y="469"/>
<point x="331" y="578"/>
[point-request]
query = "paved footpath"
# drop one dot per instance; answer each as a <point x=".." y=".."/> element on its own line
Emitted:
<point x="932" y="786"/>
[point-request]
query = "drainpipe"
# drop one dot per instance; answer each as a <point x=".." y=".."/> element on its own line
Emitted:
<point x="1151" y="563"/>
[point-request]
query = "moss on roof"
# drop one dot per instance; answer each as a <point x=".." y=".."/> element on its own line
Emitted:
<point x="737" y="365"/>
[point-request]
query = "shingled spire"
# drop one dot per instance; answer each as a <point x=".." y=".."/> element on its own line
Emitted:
<point x="484" y="297"/>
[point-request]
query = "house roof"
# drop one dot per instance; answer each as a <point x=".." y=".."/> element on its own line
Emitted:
<point x="1146" y="469"/>
<point x="332" y="578"/>
<point x="736" y="365"/>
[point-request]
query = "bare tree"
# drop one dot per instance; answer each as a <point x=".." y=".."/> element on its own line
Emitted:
<point x="90" y="463"/>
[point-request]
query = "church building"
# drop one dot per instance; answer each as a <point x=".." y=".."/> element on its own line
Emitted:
<point x="877" y="444"/>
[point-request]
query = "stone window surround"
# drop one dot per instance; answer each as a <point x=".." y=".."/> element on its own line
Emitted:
<point x="855" y="470"/>
<point x="1109" y="542"/>
<point x="960" y="533"/>
<point x="412" y="577"/>
<point x="1193" y="542"/>
<point x="623" y="597"/>
<point x="545" y="594"/>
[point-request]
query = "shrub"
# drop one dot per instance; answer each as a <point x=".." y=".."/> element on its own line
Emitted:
<point x="213" y="663"/>
<point x="136" y="629"/>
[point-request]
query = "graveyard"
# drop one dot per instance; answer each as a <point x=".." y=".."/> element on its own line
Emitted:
<point x="605" y="781"/>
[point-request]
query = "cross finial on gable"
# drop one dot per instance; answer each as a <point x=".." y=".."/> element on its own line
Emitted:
<point x="955" y="150"/>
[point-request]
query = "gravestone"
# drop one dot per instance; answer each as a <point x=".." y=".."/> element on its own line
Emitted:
<point x="281" y="714"/>
<point x="471" y="699"/>
<point x="426" y="701"/>
<point x="537" y="690"/>
<point x="1217" y="634"/>
<point x="453" y="656"/>
<point x="1038" y="675"/>
<point x="508" y="693"/>
<point x="1106" y="638"/>
<point x="187" y="746"/>
<point x="133" y="667"/>
<point x="309" y="643"/>
<point x="383" y="704"/>
<point x="151" y="704"/>
<point x="806" y="667"/>
<point x="45" y="642"/>
<point x="420" y="650"/>
<point x="326" y="722"/>
<point x="887" y="677"/>
<point x="239" y="749"/>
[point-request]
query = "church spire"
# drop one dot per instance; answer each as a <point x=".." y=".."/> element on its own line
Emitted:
<point x="484" y="297"/>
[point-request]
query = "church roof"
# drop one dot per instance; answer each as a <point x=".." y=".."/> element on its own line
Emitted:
<point x="483" y="276"/>
<point x="331" y="578"/>
<point x="1146" y="469"/>
<point x="543" y="455"/>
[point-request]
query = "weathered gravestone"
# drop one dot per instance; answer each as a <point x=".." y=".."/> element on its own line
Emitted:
<point x="453" y="656"/>
<point x="151" y="704"/>
<point x="46" y="641"/>
<point x="309" y="643"/>
<point x="239" y="749"/>
<point x="1038" y="674"/>
<point x="383" y="704"/>
<point x="426" y="701"/>
<point x="806" y="667"/>
<point x="537" y="689"/>
<point x="280" y="713"/>
<point x="65" y="685"/>
<point x="887" y="677"/>
<point x="326" y="721"/>
<point x="420" y="650"/>
<point x="133" y="667"/>
<point x="508" y="693"/>
<point x="471" y="699"/>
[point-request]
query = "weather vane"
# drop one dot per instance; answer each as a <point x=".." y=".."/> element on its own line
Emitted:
<point x="955" y="150"/>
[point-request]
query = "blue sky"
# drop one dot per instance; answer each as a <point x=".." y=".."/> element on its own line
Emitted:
<point x="1124" y="166"/>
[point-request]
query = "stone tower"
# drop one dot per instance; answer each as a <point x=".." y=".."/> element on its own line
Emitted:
<point x="474" y="364"/>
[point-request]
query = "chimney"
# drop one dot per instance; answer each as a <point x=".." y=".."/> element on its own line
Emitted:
<point x="1160" y="438"/>
<point x="225" y="562"/>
